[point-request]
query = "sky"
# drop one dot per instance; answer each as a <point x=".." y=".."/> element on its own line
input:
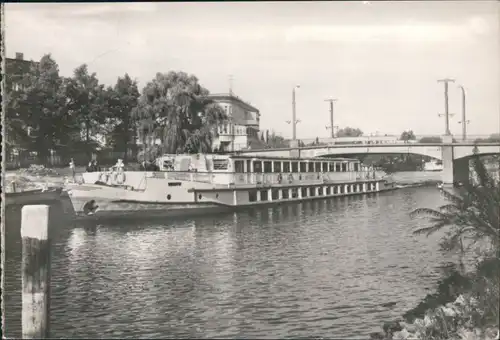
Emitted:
<point x="381" y="60"/>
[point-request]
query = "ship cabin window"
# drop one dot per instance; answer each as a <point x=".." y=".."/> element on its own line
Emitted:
<point x="239" y="166"/>
<point x="249" y="162"/>
<point x="312" y="192"/>
<point x="303" y="192"/>
<point x="286" y="166"/>
<point x="317" y="167"/>
<point x="295" y="167"/>
<point x="303" y="167"/>
<point x="257" y="166"/>
<point x="277" y="166"/>
<point x="328" y="191"/>
<point x="275" y="194"/>
<point x="252" y="195"/>
<point x="344" y="167"/>
<point x="295" y="193"/>
<point x="267" y="166"/>
<point x="356" y="166"/>
<point x="284" y="194"/>
<point x="263" y="195"/>
<point x="331" y="167"/>
<point x="338" y="167"/>
<point x="310" y="167"/>
<point x="325" y="167"/>
<point x="221" y="164"/>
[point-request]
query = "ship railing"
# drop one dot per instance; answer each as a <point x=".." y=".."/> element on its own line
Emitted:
<point x="138" y="180"/>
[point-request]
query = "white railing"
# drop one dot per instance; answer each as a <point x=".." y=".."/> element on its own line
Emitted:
<point x="138" y="179"/>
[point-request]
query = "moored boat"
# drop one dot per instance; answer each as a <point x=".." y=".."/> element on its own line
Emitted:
<point x="188" y="185"/>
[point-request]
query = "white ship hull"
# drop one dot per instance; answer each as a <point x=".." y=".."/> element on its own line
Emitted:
<point x="187" y="198"/>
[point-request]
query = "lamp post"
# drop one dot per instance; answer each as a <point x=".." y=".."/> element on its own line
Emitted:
<point x="294" y="114"/>
<point x="331" y="116"/>
<point x="446" y="113"/>
<point x="464" y="121"/>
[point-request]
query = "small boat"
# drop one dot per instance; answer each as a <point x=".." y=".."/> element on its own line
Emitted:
<point x="189" y="185"/>
<point x="37" y="196"/>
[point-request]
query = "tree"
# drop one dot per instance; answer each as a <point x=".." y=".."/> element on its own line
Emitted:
<point x="36" y="115"/>
<point x="122" y="101"/>
<point x="176" y="109"/>
<point x="276" y="141"/>
<point x="473" y="213"/>
<point x="407" y="135"/>
<point x="87" y="103"/>
<point x="430" y="140"/>
<point x="349" y="132"/>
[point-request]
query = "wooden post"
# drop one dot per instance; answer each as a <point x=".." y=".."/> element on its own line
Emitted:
<point x="35" y="271"/>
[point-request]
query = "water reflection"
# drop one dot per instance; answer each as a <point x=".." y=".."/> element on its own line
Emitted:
<point x="320" y="268"/>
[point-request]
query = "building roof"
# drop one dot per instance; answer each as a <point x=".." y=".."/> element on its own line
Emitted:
<point x="232" y="97"/>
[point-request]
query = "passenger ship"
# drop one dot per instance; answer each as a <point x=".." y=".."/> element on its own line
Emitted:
<point x="201" y="184"/>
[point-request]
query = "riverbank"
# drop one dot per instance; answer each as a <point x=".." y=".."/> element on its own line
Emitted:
<point x="465" y="303"/>
<point x="464" y="306"/>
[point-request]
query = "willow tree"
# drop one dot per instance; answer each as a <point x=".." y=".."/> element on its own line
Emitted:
<point x="175" y="109"/>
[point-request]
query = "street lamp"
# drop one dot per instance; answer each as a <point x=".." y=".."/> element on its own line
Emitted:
<point x="331" y="116"/>
<point x="464" y="121"/>
<point x="294" y="114"/>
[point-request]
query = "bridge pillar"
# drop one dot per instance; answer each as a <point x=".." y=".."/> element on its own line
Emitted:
<point x="461" y="170"/>
<point x="447" y="156"/>
<point x="294" y="152"/>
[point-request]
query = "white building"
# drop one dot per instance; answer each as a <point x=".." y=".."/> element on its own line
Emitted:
<point x="244" y="121"/>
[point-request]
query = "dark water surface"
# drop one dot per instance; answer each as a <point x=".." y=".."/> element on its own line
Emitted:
<point x="324" y="268"/>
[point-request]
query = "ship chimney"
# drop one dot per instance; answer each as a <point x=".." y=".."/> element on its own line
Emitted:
<point x="19" y="56"/>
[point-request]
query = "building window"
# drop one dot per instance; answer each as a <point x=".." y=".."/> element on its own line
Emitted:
<point x="312" y="192"/>
<point x="295" y="193"/>
<point x="284" y="194"/>
<point x="275" y="194"/>
<point x="328" y="190"/>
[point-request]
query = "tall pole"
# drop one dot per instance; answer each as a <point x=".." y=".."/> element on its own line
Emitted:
<point x="446" y="105"/>
<point x="331" y="116"/>
<point x="230" y="84"/>
<point x="294" y="115"/>
<point x="464" y="120"/>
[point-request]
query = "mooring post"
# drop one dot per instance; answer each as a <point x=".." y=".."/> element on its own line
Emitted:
<point x="35" y="271"/>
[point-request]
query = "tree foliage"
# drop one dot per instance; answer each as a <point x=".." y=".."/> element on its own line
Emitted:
<point x="35" y="114"/>
<point x="122" y="102"/>
<point x="175" y="109"/>
<point x="349" y="132"/>
<point x="87" y="104"/>
<point x="472" y="214"/>
<point x="407" y="135"/>
<point x="431" y="139"/>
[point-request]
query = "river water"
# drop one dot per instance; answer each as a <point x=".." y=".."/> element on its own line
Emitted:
<point x="329" y="268"/>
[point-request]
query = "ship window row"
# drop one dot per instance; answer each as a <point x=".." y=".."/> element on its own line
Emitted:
<point x="313" y="191"/>
<point x="241" y="166"/>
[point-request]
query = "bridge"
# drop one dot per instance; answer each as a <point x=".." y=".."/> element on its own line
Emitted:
<point x="455" y="156"/>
